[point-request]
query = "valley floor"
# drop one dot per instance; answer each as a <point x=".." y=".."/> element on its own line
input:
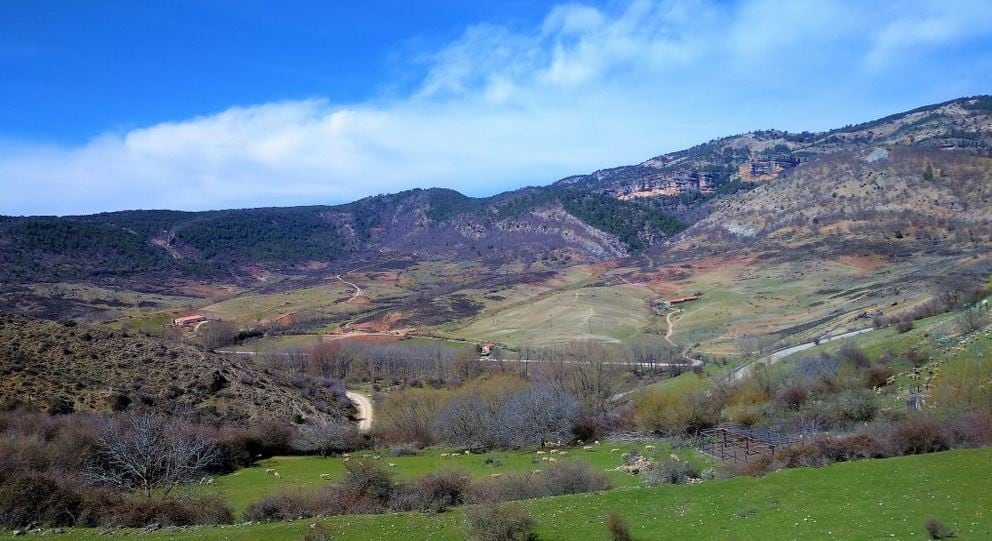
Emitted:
<point x="870" y="499"/>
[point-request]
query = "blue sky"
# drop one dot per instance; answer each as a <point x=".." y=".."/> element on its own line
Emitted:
<point x="110" y="105"/>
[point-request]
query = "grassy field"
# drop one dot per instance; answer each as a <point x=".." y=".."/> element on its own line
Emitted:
<point x="871" y="499"/>
<point x="608" y="314"/>
<point x="303" y="473"/>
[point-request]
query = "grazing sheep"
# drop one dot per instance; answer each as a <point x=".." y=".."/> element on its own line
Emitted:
<point x="541" y="452"/>
<point x="391" y="465"/>
<point x="210" y="481"/>
<point x="269" y="471"/>
<point x="674" y="457"/>
<point x="544" y="459"/>
<point x="563" y="453"/>
<point x="276" y="475"/>
<point x="538" y="471"/>
<point x="444" y="455"/>
<point x="595" y="442"/>
<point x="614" y="450"/>
<point x="587" y="448"/>
<point x="496" y="475"/>
<point x="553" y="451"/>
<point x="553" y="460"/>
<point x="467" y="452"/>
<point x="325" y="477"/>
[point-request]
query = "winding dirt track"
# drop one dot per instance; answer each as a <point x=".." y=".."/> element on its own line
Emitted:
<point x="364" y="406"/>
<point x="358" y="290"/>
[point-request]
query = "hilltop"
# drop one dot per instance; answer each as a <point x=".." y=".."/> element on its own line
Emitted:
<point x="63" y="367"/>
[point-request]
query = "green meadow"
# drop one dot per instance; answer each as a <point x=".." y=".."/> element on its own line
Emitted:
<point x="870" y="499"/>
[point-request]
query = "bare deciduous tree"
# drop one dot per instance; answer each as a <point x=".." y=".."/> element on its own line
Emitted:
<point x="148" y="453"/>
<point x="328" y="437"/>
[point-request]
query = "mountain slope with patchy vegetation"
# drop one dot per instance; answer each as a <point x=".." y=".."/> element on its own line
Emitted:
<point x="64" y="367"/>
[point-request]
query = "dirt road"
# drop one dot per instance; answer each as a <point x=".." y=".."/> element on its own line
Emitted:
<point x="364" y="405"/>
<point x="358" y="290"/>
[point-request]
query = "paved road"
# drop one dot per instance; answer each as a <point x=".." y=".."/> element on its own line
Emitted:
<point x="364" y="406"/>
<point x="775" y="357"/>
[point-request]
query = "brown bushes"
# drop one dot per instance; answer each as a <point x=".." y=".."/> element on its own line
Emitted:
<point x="618" y="527"/>
<point x="281" y="506"/>
<point x="917" y="435"/>
<point x="38" y="498"/>
<point x="566" y="478"/>
<point x="506" y="522"/>
<point x="181" y="511"/>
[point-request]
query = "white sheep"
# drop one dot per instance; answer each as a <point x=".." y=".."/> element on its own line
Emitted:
<point x="444" y="455"/>
<point x="269" y="471"/>
<point x="391" y="465"/>
<point x="541" y="452"/>
<point x="649" y="447"/>
<point x="496" y="475"/>
<point x="553" y="460"/>
<point x="587" y="448"/>
<point x="614" y="450"/>
<point x="276" y="475"/>
<point x="538" y="471"/>
<point x="325" y="477"/>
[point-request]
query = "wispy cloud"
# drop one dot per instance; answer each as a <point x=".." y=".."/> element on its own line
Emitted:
<point x="499" y="108"/>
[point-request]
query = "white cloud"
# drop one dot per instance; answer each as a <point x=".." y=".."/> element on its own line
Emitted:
<point x="588" y="88"/>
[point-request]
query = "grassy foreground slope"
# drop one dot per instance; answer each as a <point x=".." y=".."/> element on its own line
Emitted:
<point x="871" y="499"/>
<point x="302" y="473"/>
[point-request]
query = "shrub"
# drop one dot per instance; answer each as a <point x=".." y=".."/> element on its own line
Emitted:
<point x="38" y="498"/>
<point x="671" y="472"/>
<point x="318" y="531"/>
<point x="403" y="450"/>
<point x="136" y="512"/>
<point x="566" y="478"/>
<point x="849" y="447"/>
<point x="505" y="522"/>
<point x="915" y="357"/>
<point x="854" y="355"/>
<point x="435" y="492"/>
<point x="805" y="454"/>
<point x="685" y="406"/>
<point x="936" y="529"/>
<point x="368" y="480"/>
<point x="618" y="527"/>
<point x="280" y="506"/>
<point x="573" y="477"/>
<point x="793" y="396"/>
<point x="916" y="435"/>
<point x="963" y="386"/>
<point x="972" y="430"/>
<point x="877" y="376"/>
<point x="859" y="405"/>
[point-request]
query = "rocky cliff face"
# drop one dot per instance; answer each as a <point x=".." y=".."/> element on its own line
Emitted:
<point x="700" y="172"/>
